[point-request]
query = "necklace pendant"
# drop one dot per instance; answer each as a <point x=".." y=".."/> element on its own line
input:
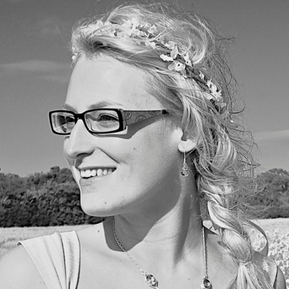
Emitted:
<point x="206" y="284"/>
<point x="151" y="281"/>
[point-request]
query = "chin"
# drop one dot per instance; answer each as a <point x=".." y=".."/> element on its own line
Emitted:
<point x="94" y="212"/>
<point x="93" y="205"/>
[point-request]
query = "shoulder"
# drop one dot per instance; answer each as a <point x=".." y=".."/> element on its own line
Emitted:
<point x="272" y="270"/>
<point x="17" y="270"/>
<point x="280" y="282"/>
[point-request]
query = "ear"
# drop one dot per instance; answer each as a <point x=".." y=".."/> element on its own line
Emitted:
<point x="186" y="144"/>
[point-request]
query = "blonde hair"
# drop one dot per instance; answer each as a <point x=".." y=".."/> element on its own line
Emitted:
<point x="222" y="160"/>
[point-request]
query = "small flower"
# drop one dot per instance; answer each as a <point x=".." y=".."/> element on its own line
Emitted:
<point x="214" y="90"/>
<point x="152" y="30"/>
<point x="174" y="52"/>
<point x="74" y="56"/>
<point x="165" y="57"/>
<point x="202" y="76"/>
<point x="217" y="94"/>
<point x="150" y="44"/>
<point x="99" y="24"/>
<point x="131" y="27"/>
<point x="170" y="45"/>
<point x="134" y="23"/>
<point x="187" y="59"/>
<point x="177" y="66"/>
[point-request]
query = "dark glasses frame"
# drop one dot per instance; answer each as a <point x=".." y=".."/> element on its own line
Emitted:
<point x="125" y="118"/>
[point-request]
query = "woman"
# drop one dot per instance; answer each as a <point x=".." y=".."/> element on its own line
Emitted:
<point x="151" y="139"/>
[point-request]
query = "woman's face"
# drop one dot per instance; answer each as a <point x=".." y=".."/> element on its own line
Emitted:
<point x="138" y="168"/>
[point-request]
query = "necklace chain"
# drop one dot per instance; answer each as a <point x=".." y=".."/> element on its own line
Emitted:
<point x="149" y="278"/>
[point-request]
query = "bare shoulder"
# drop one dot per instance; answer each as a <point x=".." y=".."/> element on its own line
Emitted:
<point x="280" y="279"/>
<point x="229" y="266"/>
<point x="17" y="270"/>
<point x="280" y="282"/>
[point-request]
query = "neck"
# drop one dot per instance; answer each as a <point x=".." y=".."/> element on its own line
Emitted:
<point x="170" y="237"/>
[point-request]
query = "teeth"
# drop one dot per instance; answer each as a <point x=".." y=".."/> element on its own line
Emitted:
<point x="95" y="172"/>
<point x="99" y="172"/>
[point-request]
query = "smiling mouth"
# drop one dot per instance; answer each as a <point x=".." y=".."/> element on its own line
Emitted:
<point x="96" y="172"/>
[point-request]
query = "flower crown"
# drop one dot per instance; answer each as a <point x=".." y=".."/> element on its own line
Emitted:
<point x="148" y="35"/>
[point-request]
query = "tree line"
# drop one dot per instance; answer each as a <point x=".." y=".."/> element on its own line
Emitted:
<point x="41" y="199"/>
<point x="52" y="198"/>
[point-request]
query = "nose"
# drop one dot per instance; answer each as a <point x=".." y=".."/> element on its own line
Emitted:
<point x="80" y="142"/>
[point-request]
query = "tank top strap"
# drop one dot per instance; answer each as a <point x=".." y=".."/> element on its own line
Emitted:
<point x="71" y="248"/>
<point x="57" y="258"/>
<point x="270" y="268"/>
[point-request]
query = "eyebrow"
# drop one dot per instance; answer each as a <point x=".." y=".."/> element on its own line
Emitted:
<point x="97" y="105"/>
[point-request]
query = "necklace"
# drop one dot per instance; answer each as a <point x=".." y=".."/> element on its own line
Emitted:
<point x="149" y="278"/>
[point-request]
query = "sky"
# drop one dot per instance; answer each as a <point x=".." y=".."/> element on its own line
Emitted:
<point x="35" y="70"/>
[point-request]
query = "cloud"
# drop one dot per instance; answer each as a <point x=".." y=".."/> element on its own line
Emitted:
<point x="48" y="70"/>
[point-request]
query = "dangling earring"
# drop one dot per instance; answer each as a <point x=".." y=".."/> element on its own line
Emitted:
<point x="185" y="169"/>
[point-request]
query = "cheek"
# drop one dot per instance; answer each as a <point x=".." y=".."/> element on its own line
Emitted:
<point x="70" y="163"/>
<point x="154" y="151"/>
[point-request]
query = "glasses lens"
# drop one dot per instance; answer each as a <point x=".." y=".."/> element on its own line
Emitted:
<point x="62" y="122"/>
<point x="102" y="120"/>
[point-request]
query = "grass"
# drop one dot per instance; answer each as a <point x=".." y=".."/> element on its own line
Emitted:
<point x="9" y="237"/>
<point x="277" y="231"/>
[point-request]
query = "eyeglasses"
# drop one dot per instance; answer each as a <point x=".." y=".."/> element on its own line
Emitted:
<point x="99" y="121"/>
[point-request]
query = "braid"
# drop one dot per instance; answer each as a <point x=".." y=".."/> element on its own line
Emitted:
<point x="235" y="240"/>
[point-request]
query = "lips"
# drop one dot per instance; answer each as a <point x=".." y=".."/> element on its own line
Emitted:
<point x="96" y="172"/>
